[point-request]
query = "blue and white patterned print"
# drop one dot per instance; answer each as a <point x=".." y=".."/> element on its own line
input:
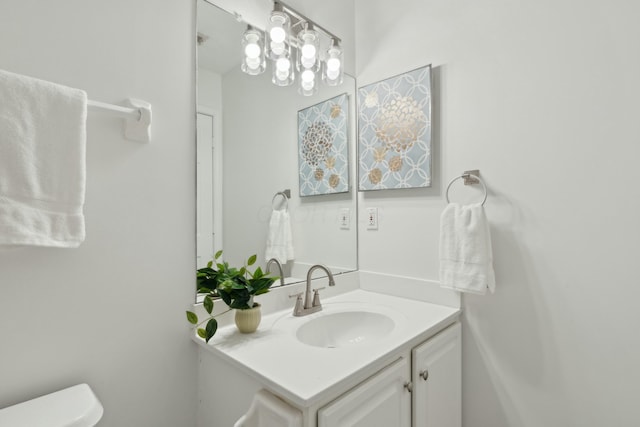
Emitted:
<point x="394" y="121"/>
<point x="323" y="150"/>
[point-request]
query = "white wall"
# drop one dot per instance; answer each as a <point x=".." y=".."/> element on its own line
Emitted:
<point x="110" y="313"/>
<point x="542" y="97"/>
<point x="209" y="220"/>
<point x="209" y="89"/>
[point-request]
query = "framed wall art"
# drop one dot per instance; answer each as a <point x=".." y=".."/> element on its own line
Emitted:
<point x="394" y="123"/>
<point x="323" y="150"/>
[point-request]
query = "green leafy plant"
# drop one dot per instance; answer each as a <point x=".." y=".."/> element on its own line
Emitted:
<point x="235" y="286"/>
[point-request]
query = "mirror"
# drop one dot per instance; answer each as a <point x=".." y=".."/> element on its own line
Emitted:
<point x="248" y="152"/>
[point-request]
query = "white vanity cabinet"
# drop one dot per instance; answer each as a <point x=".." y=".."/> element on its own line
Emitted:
<point x="437" y="381"/>
<point x="425" y="392"/>
<point x="374" y="380"/>
<point x="381" y="401"/>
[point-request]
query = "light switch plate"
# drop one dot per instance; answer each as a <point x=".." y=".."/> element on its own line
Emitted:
<point x="344" y="218"/>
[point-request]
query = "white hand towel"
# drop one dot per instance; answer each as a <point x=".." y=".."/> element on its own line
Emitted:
<point x="42" y="162"/>
<point x="466" y="261"/>
<point x="279" y="238"/>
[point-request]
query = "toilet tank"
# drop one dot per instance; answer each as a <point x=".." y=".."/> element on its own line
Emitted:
<point x="75" y="406"/>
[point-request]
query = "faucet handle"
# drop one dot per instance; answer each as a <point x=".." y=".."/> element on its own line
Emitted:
<point x="299" y="307"/>
<point x="316" y="297"/>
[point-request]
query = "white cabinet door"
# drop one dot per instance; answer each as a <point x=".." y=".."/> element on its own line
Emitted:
<point x="381" y="401"/>
<point x="436" y="368"/>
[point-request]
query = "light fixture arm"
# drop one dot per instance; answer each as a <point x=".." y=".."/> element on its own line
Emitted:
<point x="300" y="23"/>
<point x="300" y="18"/>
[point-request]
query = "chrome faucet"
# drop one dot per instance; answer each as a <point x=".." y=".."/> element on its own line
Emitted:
<point x="311" y="304"/>
<point x="277" y="263"/>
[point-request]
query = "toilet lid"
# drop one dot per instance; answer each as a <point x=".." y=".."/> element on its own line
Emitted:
<point x="75" y="406"/>
<point x="268" y="410"/>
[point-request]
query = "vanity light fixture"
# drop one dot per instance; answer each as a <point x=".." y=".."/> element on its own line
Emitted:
<point x="277" y="45"/>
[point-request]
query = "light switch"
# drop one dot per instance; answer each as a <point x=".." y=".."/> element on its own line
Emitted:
<point x="344" y="218"/>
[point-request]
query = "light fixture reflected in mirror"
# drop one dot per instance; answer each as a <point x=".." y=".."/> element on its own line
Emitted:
<point x="253" y="61"/>
<point x="308" y="49"/>
<point x="308" y="62"/>
<point x="277" y="43"/>
<point x="333" y="69"/>
<point x="278" y="30"/>
<point x="308" y="84"/>
<point x="283" y="73"/>
<point x="279" y="48"/>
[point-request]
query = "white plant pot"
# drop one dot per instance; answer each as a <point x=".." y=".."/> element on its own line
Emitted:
<point x="247" y="321"/>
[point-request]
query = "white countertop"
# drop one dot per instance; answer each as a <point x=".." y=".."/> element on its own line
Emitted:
<point x="306" y="374"/>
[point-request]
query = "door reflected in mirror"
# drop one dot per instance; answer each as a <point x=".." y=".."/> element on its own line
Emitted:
<point x="247" y="153"/>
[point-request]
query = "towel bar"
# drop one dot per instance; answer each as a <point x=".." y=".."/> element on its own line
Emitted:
<point x="470" y="177"/>
<point x="286" y="194"/>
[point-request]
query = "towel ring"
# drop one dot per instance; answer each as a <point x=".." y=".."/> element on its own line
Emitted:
<point x="465" y="176"/>
<point x="284" y="196"/>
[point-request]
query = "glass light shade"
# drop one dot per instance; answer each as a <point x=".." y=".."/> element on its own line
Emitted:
<point x="333" y="67"/>
<point x="283" y="71"/>
<point x="308" y="83"/>
<point x="253" y="62"/>
<point x="308" y="47"/>
<point x="278" y="30"/>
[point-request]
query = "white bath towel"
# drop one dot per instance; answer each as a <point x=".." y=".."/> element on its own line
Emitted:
<point x="466" y="260"/>
<point x="279" y="238"/>
<point x="42" y="162"/>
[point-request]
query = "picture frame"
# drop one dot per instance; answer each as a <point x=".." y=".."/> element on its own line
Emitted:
<point x="323" y="147"/>
<point x="394" y="132"/>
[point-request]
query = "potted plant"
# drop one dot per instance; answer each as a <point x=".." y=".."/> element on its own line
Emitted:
<point x="236" y="287"/>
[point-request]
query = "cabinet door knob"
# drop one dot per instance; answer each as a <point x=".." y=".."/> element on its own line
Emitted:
<point x="409" y="386"/>
<point x="424" y="374"/>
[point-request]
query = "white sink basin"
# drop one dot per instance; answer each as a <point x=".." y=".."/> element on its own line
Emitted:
<point x="344" y="329"/>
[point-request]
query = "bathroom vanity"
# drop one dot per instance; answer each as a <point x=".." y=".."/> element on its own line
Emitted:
<point x="365" y="359"/>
